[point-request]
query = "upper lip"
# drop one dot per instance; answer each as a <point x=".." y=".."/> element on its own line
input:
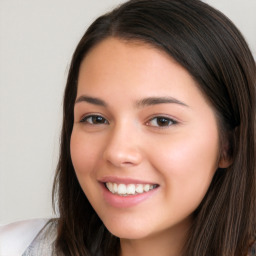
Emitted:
<point x="123" y="180"/>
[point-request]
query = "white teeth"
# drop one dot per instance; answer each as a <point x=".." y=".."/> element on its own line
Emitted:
<point x="130" y="189"/>
<point x="146" y="188"/>
<point x="121" y="189"/>
<point x="110" y="186"/>
<point x="139" y="188"/>
<point x="115" y="188"/>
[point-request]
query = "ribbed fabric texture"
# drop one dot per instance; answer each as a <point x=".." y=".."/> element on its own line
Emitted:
<point x="43" y="244"/>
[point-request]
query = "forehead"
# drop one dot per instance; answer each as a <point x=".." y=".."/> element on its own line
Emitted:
<point x="112" y="48"/>
<point x="120" y="61"/>
<point x="120" y="58"/>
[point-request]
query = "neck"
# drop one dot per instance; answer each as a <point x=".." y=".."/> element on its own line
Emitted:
<point x="165" y="243"/>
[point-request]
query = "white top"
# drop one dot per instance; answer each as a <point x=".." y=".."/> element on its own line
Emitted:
<point x="16" y="237"/>
<point x="35" y="238"/>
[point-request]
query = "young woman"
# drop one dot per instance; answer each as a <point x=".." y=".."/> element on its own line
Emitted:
<point x="158" y="140"/>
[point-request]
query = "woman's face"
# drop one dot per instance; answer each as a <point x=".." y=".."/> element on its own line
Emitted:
<point x="143" y="129"/>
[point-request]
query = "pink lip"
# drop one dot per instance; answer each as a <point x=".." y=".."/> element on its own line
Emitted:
<point x="118" y="201"/>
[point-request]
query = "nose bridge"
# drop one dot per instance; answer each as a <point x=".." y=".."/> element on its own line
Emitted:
<point x="123" y="145"/>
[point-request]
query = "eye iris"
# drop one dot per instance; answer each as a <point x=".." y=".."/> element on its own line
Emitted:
<point x="163" y="121"/>
<point x="98" y="120"/>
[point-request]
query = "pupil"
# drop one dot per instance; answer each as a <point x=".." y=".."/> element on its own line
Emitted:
<point x="98" y="119"/>
<point x="162" y="121"/>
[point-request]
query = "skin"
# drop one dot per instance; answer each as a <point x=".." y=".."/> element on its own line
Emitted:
<point x="180" y="153"/>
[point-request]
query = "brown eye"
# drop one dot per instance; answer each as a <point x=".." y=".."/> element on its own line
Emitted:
<point x="94" y="120"/>
<point x="161" y="122"/>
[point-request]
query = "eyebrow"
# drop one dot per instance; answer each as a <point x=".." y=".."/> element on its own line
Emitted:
<point x="92" y="100"/>
<point x="158" y="100"/>
<point x="140" y="103"/>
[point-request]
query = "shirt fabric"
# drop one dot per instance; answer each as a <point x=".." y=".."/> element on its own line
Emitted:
<point x="17" y="236"/>
<point x="43" y="244"/>
<point x="38" y="238"/>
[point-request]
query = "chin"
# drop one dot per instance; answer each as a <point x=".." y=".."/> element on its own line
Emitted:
<point x="127" y="232"/>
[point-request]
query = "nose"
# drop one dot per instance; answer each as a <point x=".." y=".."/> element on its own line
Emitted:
<point x="123" y="147"/>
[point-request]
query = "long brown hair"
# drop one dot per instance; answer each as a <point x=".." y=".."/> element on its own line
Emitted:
<point x="213" y="51"/>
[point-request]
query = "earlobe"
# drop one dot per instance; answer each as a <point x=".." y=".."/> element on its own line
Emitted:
<point x="225" y="161"/>
<point x="226" y="156"/>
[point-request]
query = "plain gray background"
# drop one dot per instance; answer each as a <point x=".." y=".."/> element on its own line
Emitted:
<point x="37" y="39"/>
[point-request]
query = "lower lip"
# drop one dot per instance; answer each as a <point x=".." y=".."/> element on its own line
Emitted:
<point x="126" y="201"/>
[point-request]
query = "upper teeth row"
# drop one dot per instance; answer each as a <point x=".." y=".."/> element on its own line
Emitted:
<point x="130" y="189"/>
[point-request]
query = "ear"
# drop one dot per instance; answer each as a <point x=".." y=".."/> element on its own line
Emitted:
<point x="225" y="161"/>
<point x="226" y="156"/>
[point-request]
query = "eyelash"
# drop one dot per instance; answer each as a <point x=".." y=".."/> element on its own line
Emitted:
<point x="93" y="118"/>
<point x="166" y="121"/>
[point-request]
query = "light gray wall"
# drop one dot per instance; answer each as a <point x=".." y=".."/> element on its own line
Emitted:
<point x="37" y="39"/>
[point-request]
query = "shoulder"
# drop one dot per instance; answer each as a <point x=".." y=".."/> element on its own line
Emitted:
<point x="43" y="244"/>
<point x="16" y="237"/>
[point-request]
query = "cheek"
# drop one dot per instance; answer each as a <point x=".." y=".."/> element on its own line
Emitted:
<point x="83" y="153"/>
<point x="184" y="153"/>
<point x="187" y="164"/>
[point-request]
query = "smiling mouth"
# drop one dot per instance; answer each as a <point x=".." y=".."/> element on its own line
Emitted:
<point x="129" y="189"/>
